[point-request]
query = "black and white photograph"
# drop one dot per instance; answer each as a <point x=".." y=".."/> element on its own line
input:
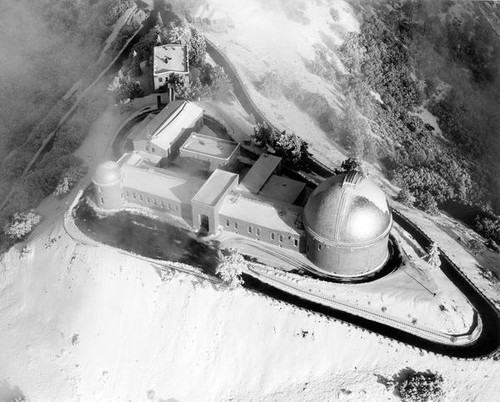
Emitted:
<point x="250" y="200"/>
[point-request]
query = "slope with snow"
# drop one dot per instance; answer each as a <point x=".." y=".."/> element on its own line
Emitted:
<point x="88" y="323"/>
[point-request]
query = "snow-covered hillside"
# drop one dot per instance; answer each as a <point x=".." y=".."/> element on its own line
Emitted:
<point x="86" y="323"/>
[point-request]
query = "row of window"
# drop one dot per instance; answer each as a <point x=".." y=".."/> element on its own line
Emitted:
<point x="154" y="201"/>
<point x="272" y="235"/>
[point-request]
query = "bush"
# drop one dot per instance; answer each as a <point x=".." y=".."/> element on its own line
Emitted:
<point x="70" y="179"/>
<point x="230" y="268"/>
<point x="487" y="224"/>
<point x="22" y="225"/>
<point x="288" y="145"/>
<point x="421" y="387"/>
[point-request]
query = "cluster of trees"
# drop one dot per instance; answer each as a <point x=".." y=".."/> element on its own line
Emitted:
<point x="487" y="224"/>
<point x="289" y="146"/>
<point x="402" y="57"/>
<point x="21" y="225"/>
<point x="124" y="88"/>
<point x="66" y="38"/>
<point x="421" y="387"/>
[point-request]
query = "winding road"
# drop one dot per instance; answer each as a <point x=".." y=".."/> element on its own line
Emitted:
<point x="488" y="343"/>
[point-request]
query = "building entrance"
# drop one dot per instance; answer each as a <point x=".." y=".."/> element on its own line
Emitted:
<point x="204" y="223"/>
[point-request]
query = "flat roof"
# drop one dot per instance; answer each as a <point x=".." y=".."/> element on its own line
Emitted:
<point x="215" y="187"/>
<point x="261" y="170"/>
<point x="208" y="145"/>
<point x="260" y="213"/>
<point x="160" y="184"/>
<point x="282" y="188"/>
<point x="171" y="122"/>
<point x="170" y="58"/>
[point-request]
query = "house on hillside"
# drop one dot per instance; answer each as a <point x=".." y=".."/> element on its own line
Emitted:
<point x="168" y="60"/>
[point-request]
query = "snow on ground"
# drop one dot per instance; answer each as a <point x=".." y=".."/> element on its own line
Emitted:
<point x="90" y="324"/>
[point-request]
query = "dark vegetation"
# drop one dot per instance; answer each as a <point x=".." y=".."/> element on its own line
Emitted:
<point x="292" y="148"/>
<point x="51" y="45"/>
<point x="414" y="55"/>
<point x="414" y="386"/>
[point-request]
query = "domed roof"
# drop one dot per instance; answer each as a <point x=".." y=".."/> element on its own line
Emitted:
<point x="348" y="209"/>
<point x="107" y="173"/>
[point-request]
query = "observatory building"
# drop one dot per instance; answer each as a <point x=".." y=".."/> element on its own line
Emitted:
<point x="347" y="222"/>
<point x="343" y="229"/>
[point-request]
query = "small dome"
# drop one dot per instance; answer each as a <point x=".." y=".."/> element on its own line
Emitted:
<point x="348" y="209"/>
<point x="107" y="173"/>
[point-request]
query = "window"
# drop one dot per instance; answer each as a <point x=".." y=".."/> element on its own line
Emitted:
<point x="236" y="225"/>
<point x="102" y="200"/>
<point x="281" y="238"/>
<point x="249" y="229"/>
<point x="134" y="195"/>
<point x="258" y="231"/>
<point x="153" y="149"/>
<point x="162" y="204"/>
<point x="160" y="79"/>
<point x="296" y="242"/>
<point x="149" y="200"/>
<point x="140" y="197"/>
<point x="227" y="222"/>
<point x="319" y="247"/>
<point x="271" y="235"/>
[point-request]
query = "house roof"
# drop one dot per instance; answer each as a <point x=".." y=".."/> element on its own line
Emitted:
<point x="260" y="172"/>
<point x="282" y="188"/>
<point x="257" y="212"/>
<point x="170" y="58"/>
<point x="160" y="184"/>
<point x="171" y="121"/>
<point x="215" y="187"/>
<point x="209" y="145"/>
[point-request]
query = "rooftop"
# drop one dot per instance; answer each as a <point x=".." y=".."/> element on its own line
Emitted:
<point x="260" y="172"/>
<point x="282" y="188"/>
<point x="170" y="58"/>
<point x="209" y="145"/>
<point x="260" y="213"/>
<point x="153" y="181"/>
<point x="215" y="187"/>
<point x="171" y="121"/>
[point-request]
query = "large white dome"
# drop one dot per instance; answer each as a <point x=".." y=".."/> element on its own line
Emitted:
<point x="347" y="221"/>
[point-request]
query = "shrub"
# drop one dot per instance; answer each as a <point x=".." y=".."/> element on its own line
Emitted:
<point x="421" y="387"/>
<point x="487" y="224"/>
<point x="230" y="267"/>
<point x="70" y="179"/>
<point x="22" y="225"/>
